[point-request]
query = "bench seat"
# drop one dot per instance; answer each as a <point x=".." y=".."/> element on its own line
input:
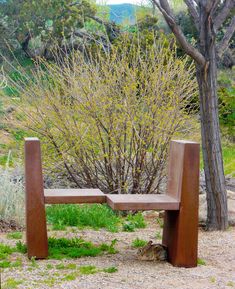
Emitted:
<point x="73" y="196"/>
<point x="142" y="202"/>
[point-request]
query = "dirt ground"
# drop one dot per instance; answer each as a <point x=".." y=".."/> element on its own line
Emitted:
<point x="217" y="249"/>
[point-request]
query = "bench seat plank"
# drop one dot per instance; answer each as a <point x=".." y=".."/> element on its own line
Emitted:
<point x="73" y="196"/>
<point x="142" y="202"/>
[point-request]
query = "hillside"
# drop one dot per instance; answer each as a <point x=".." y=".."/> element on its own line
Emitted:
<point x="122" y="12"/>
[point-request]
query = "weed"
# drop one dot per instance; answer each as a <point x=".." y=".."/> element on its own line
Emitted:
<point x="86" y="270"/>
<point x="128" y="227"/>
<point x="14" y="235"/>
<point x="20" y="247"/>
<point x="138" y="243"/>
<point x="76" y="248"/>
<point x="110" y="270"/>
<point x="137" y="220"/>
<point x="201" y="261"/>
<point x="5" y="264"/>
<point x="33" y="262"/>
<point x="49" y="266"/>
<point x="11" y="283"/>
<point x="5" y="250"/>
<point x="69" y="277"/>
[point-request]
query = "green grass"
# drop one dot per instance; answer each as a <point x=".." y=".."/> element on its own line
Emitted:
<point x="11" y="283"/>
<point x="62" y="248"/>
<point x="138" y="243"/>
<point x="228" y="158"/>
<point x="86" y="270"/>
<point x="110" y="270"/>
<point x="5" y="251"/>
<point x="95" y="216"/>
<point x="201" y="262"/>
<point x="133" y="222"/>
<point x="14" y="235"/>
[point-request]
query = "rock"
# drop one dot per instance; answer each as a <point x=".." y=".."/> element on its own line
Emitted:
<point x="231" y="208"/>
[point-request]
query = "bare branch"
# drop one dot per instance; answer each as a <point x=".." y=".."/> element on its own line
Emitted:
<point x="223" y="45"/>
<point x="193" y="11"/>
<point x="221" y="17"/>
<point x="169" y="17"/>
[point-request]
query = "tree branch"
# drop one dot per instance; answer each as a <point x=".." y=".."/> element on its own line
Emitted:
<point x="193" y="11"/>
<point x="169" y="17"/>
<point x="223" y="14"/>
<point x="223" y="45"/>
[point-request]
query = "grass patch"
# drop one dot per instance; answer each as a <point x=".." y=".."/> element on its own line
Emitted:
<point x="71" y="248"/>
<point x="94" y="216"/>
<point x="86" y="270"/>
<point x="110" y="270"/>
<point x="133" y="222"/>
<point x="138" y="243"/>
<point x="201" y="262"/>
<point x="5" y="251"/>
<point x="70" y="277"/>
<point x="14" y="235"/>
<point x="229" y="159"/>
<point x="11" y="283"/>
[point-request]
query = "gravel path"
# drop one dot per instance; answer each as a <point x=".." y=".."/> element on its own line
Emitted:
<point x="217" y="249"/>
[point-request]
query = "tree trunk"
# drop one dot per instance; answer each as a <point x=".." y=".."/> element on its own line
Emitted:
<point x="217" y="215"/>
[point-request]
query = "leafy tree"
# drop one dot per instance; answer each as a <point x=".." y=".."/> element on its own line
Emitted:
<point x="46" y="20"/>
<point x="208" y="17"/>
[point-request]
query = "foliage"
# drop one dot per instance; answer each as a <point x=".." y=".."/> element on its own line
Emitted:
<point x="138" y="243"/>
<point x="226" y="92"/>
<point x="86" y="270"/>
<point x="201" y="262"/>
<point x="108" y="120"/>
<point x="110" y="270"/>
<point x="229" y="159"/>
<point x="72" y="248"/>
<point x="11" y="197"/>
<point x="14" y="235"/>
<point x="46" y="20"/>
<point x="5" y="250"/>
<point x="133" y="222"/>
<point x="95" y="216"/>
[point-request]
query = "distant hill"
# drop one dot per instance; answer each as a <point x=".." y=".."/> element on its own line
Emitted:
<point x="121" y="12"/>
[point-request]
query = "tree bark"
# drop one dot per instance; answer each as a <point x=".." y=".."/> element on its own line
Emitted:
<point x="217" y="212"/>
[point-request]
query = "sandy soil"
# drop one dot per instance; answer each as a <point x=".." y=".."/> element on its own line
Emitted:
<point x="217" y="249"/>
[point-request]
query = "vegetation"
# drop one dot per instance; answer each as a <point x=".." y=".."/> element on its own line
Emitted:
<point x="12" y="198"/>
<point x="205" y="55"/>
<point x="138" y="243"/>
<point x="124" y="147"/>
<point x="94" y="216"/>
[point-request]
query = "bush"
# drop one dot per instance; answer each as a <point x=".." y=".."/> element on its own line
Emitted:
<point x="108" y="119"/>
<point x="11" y="198"/>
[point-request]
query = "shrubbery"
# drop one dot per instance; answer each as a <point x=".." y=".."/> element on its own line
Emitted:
<point x="108" y="119"/>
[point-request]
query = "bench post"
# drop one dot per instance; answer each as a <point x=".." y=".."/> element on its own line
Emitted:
<point x="180" y="233"/>
<point x="36" y="231"/>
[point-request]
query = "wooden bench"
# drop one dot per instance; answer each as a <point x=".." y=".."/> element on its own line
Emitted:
<point x="180" y="232"/>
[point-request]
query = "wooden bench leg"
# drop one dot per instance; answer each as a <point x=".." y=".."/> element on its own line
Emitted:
<point x="36" y="230"/>
<point x="180" y="232"/>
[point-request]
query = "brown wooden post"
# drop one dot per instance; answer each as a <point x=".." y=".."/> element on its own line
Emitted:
<point x="36" y="231"/>
<point x="180" y="233"/>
